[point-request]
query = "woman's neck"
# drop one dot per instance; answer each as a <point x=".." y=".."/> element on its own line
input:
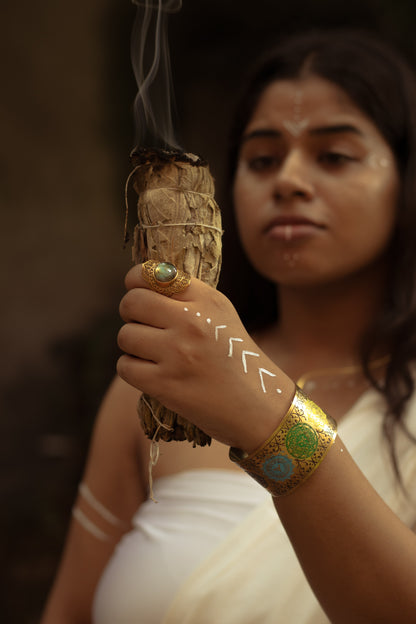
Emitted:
<point x="323" y="326"/>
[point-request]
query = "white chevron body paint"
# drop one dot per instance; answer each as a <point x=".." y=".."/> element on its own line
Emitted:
<point x="217" y="328"/>
<point x="230" y="342"/>
<point x="244" y="358"/>
<point x="296" y="127"/>
<point x="263" y="371"/>
<point x="244" y="355"/>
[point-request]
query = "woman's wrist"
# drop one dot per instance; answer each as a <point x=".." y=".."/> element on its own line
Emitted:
<point x="269" y="411"/>
<point x="293" y="451"/>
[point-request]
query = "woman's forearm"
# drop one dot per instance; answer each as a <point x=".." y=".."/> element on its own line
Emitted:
<point x="359" y="558"/>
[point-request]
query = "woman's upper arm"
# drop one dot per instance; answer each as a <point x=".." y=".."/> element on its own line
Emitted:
<point x="115" y="479"/>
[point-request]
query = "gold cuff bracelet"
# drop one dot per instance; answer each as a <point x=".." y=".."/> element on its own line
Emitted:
<point x="293" y="451"/>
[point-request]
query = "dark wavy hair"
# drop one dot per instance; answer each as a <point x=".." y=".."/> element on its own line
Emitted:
<point x="382" y="85"/>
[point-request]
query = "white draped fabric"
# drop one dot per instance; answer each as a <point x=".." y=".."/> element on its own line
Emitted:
<point x="213" y="549"/>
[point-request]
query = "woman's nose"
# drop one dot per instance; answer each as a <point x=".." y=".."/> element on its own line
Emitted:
<point x="293" y="178"/>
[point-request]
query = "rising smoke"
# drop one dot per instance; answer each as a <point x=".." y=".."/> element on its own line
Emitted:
<point x="151" y="65"/>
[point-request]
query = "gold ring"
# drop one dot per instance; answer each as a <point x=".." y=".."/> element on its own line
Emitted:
<point x="165" y="278"/>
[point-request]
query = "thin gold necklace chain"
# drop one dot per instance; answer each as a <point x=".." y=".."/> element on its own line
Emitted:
<point x="340" y="370"/>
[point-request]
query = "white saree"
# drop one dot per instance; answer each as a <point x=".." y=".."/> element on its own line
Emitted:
<point x="247" y="573"/>
<point x="254" y="577"/>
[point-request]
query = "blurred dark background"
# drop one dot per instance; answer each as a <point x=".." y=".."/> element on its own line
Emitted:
<point x="66" y="133"/>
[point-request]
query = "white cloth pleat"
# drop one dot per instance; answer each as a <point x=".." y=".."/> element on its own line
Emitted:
<point x="214" y="551"/>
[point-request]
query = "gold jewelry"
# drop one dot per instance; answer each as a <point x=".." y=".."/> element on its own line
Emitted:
<point x="165" y="278"/>
<point x="311" y="378"/>
<point x="293" y="451"/>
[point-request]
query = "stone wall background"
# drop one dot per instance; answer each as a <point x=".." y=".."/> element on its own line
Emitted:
<point x="66" y="131"/>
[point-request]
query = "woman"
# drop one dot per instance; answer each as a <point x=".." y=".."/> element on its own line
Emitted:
<point x="322" y="163"/>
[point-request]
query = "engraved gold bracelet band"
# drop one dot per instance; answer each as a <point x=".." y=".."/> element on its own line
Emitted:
<point x="293" y="451"/>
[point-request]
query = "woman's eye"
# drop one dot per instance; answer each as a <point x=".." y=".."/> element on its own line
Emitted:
<point x="335" y="158"/>
<point x="262" y="163"/>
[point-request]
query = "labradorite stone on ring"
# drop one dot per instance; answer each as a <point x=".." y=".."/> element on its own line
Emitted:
<point x="165" y="272"/>
<point x="165" y="278"/>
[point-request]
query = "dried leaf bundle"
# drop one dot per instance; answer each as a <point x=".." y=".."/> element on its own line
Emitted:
<point x="178" y="221"/>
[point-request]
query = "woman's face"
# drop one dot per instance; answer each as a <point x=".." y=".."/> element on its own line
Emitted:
<point x="316" y="185"/>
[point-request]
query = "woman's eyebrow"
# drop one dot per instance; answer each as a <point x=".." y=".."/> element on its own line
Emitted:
<point x="318" y="131"/>
<point x="336" y="129"/>
<point x="261" y="133"/>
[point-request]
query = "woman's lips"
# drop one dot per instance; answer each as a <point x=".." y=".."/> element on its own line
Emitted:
<point x="292" y="229"/>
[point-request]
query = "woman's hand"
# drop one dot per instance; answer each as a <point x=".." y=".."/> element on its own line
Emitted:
<point x="192" y="353"/>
